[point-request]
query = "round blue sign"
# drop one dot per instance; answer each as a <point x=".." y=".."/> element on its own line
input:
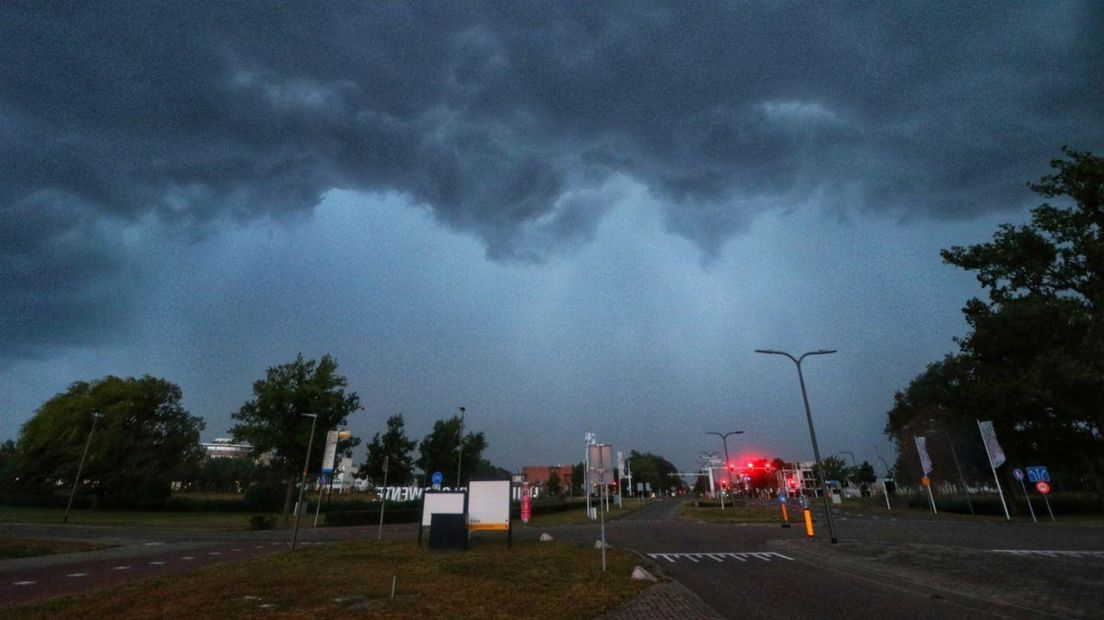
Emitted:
<point x="1018" y="474"/>
<point x="437" y="478"/>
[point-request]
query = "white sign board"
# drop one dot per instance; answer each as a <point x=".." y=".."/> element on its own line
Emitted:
<point x="489" y="505"/>
<point x="601" y="463"/>
<point x="330" y="452"/>
<point x="451" y="503"/>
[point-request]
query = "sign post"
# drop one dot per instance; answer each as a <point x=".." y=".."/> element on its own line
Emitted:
<point x="1043" y="487"/>
<point x="1019" y="476"/>
<point x="996" y="457"/>
<point x="600" y="460"/>
<point x="383" y="498"/>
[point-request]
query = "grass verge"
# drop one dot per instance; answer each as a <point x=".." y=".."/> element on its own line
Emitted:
<point x="26" y="548"/>
<point x="353" y="580"/>
<point x="129" y="518"/>
<point x="732" y="514"/>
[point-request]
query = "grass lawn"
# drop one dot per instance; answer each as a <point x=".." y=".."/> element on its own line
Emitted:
<point x="532" y="580"/>
<point x="736" y="514"/>
<point x="25" y="548"/>
<point x="578" y="515"/>
<point x="130" y="518"/>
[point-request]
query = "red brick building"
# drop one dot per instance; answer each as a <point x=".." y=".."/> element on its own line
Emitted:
<point x="538" y="475"/>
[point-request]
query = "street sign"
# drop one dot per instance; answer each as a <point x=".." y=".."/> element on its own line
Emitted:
<point x="329" y="454"/>
<point x="437" y="478"/>
<point x="1018" y="474"/>
<point x="1038" y="473"/>
<point x="1042" y="487"/>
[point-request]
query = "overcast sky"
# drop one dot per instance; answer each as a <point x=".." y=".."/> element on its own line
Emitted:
<point x="566" y="217"/>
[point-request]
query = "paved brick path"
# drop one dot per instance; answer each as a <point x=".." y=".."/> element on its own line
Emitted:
<point x="668" y="600"/>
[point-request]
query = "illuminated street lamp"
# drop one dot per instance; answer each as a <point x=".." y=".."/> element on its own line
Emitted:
<point x="812" y="431"/>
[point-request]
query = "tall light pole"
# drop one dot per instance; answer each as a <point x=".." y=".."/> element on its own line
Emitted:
<point x="728" y="464"/>
<point x="303" y="482"/>
<point x="460" y="447"/>
<point x="96" y="415"/>
<point x="954" y="454"/>
<point x="812" y="432"/>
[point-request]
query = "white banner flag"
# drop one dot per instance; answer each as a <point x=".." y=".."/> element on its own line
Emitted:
<point x="989" y="436"/>
<point x="922" y="449"/>
<point x="329" y="453"/>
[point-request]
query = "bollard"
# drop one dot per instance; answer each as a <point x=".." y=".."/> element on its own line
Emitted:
<point x="785" y="517"/>
<point x="809" y="522"/>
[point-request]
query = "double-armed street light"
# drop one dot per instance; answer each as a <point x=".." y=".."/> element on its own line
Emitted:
<point x="303" y="482"/>
<point x="728" y="463"/>
<point x="812" y="432"/>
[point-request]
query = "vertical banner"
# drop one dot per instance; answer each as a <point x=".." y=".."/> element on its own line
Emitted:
<point x="989" y="436"/>
<point x="922" y="450"/>
<point x="996" y="457"/>
<point x="330" y="453"/>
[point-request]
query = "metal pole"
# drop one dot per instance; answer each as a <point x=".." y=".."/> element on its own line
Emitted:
<point x="1028" y="498"/>
<point x="728" y="464"/>
<point x="460" y="449"/>
<point x="989" y="457"/>
<point x="961" y="478"/>
<point x="303" y="481"/>
<point x="383" y="498"/>
<point x="80" y="468"/>
<point x="812" y="431"/>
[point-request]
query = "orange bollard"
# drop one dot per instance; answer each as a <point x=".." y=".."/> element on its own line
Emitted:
<point x="785" y="516"/>
<point x="809" y="522"/>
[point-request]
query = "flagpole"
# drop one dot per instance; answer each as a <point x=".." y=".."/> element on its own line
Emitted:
<point x="921" y="452"/>
<point x="989" y="456"/>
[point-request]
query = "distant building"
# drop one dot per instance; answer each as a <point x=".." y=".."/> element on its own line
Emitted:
<point x="538" y="475"/>
<point x="225" y="448"/>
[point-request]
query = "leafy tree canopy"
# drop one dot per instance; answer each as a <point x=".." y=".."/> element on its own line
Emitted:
<point x="273" y="422"/>
<point x="397" y="448"/>
<point x="144" y="440"/>
<point x="438" y="451"/>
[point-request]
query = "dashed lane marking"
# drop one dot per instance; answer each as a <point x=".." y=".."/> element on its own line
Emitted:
<point x="1052" y="554"/>
<point x="214" y="553"/>
<point x="765" y="556"/>
<point x="77" y="575"/>
<point x="23" y="583"/>
<point x="188" y="557"/>
<point x="156" y="563"/>
<point x="120" y="568"/>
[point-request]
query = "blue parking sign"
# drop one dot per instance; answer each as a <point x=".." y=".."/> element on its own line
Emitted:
<point x="1038" y="473"/>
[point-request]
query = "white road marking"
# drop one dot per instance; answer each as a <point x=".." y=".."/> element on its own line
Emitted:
<point x="765" y="556"/>
<point x="1052" y="554"/>
<point x="214" y="553"/>
<point x="156" y="563"/>
<point x="154" y="544"/>
<point x="120" y="568"/>
<point x="188" y="557"/>
<point x="23" y="583"/>
<point x="77" y="575"/>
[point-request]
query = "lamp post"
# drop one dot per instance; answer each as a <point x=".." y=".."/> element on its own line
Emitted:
<point x="724" y="438"/>
<point x="954" y="454"/>
<point x="303" y="482"/>
<point x="812" y="432"/>
<point x="460" y="448"/>
<point x="96" y="415"/>
<point x="885" y="483"/>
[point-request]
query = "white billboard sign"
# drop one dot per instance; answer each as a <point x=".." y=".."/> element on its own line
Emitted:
<point x="446" y="502"/>
<point x="601" y="463"/>
<point x="489" y="505"/>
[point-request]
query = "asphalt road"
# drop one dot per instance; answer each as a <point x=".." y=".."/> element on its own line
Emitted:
<point x="886" y="565"/>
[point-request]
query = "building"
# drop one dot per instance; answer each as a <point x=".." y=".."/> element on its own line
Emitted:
<point x="538" y="475"/>
<point x="225" y="448"/>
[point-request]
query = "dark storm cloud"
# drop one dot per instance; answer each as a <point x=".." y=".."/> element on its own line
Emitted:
<point x="507" y="119"/>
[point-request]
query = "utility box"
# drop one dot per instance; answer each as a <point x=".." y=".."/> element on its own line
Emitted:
<point x="448" y="531"/>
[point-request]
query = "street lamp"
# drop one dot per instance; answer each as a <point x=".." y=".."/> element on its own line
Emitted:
<point x="460" y="447"/>
<point x="957" y="466"/>
<point x="728" y="464"/>
<point x="96" y="415"/>
<point x="812" y="432"/>
<point x="303" y="482"/>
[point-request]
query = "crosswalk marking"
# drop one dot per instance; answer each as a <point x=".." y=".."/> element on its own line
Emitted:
<point x="765" y="556"/>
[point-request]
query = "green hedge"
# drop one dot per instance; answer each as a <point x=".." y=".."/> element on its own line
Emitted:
<point x="1061" y="503"/>
<point x="406" y="512"/>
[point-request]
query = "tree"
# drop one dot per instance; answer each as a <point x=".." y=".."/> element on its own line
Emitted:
<point x="834" y="468"/>
<point x="554" y="483"/>
<point x="438" y="451"/>
<point x="273" y="422"/>
<point x="9" y="465"/>
<point x="655" y="470"/>
<point x="144" y="440"/>
<point x="578" y="478"/>
<point x="398" y="448"/>
<point x="865" y="473"/>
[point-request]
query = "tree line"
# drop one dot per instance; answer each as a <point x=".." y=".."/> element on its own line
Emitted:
<point x="1033" y="360"/>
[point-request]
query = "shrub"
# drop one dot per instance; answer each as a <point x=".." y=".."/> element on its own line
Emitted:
<point x="261" y="522"/>
<point x="265" y="497"/>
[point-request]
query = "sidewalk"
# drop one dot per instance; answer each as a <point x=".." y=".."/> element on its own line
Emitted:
<point x="667" y="600"/>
